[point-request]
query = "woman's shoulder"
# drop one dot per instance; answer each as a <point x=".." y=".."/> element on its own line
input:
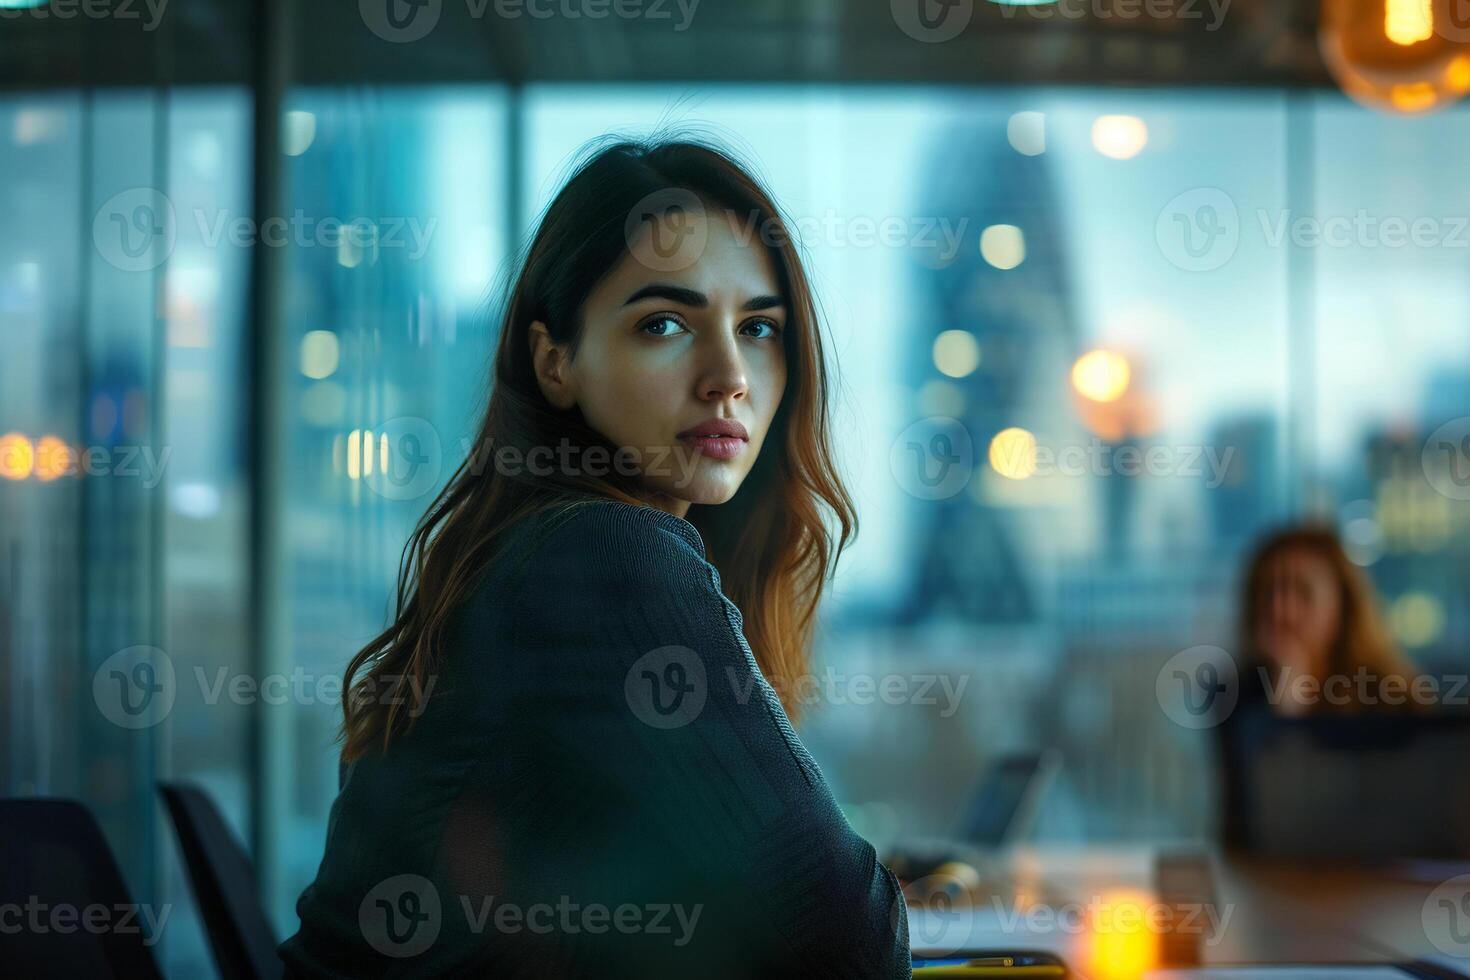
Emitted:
<point x="608" y="533"/>
<point x="574" y="550"/>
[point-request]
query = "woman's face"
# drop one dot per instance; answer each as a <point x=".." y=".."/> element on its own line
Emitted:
<point x="1300" y="611"/>
<point x="683" y="368"/>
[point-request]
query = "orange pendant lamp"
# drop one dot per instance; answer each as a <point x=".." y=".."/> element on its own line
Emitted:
<point x="1403" y="56"/>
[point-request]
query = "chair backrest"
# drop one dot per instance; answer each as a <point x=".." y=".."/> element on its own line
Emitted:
<point x="223" y="880"/>
<point x="1289" y="781"/>
<point x="76" y="917"/>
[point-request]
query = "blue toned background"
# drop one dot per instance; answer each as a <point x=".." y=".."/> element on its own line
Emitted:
<point x="1045" y="274"/>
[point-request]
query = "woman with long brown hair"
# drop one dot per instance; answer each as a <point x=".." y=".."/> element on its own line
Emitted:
<point x="1314" y="647"/>
<point x="1310" y="622"/>
<point x="568" y="753"/>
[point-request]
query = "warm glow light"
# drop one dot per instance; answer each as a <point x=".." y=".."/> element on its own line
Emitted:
<point x="1101" y="375"/>
<point x="1123" y="946"/>
<point x="54" y="458"/>
<point x="1418" y="97"/>
<point x="956" y="353"/>
<point x="1404" y="56"/>
<point x="1408" y="21"/>
<point x="1457" y="75"/>
<point x="1119" y="137"/>
<point x="1003" y="246"/>
<point x="17" y="456"/>
<point x="1013" y="453"/>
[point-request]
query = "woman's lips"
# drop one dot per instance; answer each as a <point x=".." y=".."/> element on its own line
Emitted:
<point x="716" y="447"/>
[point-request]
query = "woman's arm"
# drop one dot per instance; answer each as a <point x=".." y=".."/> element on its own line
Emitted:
<point x="666" y="768"/>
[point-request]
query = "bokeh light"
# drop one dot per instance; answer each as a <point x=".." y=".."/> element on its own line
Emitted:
<point x="1013" y="453"/>
<point x="1026" y="132"/>
<point x="1003" y="246"/>
<point x="956" y="353"/>
<point x="54" y="458"/>
<point x="1119" y="137"/>
<point x="17" y="456"/>
<point x="1101" y="375"/>
<point x="320" y="354"/>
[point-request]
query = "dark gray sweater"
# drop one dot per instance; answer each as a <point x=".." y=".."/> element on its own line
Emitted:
<point x="602" y="784"/>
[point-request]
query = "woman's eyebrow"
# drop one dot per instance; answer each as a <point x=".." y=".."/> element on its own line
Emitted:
<point x="692" y="297"/>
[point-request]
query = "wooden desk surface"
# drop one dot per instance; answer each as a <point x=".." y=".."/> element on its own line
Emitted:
<point x="1101" y="910"/>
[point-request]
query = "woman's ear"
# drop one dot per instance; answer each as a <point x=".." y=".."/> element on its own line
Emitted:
<point x="551" y="362"/>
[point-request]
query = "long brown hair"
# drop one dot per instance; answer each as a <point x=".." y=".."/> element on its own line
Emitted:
<point x="1362" y="641"/>
<point x="771" y="543"/>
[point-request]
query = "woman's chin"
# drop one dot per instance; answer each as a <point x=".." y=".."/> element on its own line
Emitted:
<point x="712" y="483"/>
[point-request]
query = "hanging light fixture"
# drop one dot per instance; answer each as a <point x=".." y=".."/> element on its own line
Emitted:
<point x="1404" y="56"/>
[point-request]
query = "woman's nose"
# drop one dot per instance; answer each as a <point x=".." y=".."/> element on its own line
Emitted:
<point x="723" y="376"/>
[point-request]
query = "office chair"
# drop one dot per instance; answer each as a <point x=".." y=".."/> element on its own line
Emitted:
<point x="53" y="857"/>
<point x="223" y="882"/>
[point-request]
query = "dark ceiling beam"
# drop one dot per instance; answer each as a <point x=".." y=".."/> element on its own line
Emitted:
<point x="1259" y="43"/>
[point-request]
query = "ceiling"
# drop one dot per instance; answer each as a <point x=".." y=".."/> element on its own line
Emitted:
<point x="1091" y="42"/>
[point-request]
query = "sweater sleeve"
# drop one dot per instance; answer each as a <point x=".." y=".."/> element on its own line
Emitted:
<point x="667" y="768"/>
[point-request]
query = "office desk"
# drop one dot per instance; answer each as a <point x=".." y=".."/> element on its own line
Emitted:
<point x="1102" y="911"/>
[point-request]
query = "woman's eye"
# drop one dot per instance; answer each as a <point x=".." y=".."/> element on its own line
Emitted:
<point x="661" y="326"/>
<point x="761" y="329"/>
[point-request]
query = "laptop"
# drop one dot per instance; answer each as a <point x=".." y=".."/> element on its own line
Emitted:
<point x="1000" y="812"/>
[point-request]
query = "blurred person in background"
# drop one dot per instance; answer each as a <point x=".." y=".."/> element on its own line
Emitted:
<point x="1310" y="625"/>
<point x="1315" y="647"/>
